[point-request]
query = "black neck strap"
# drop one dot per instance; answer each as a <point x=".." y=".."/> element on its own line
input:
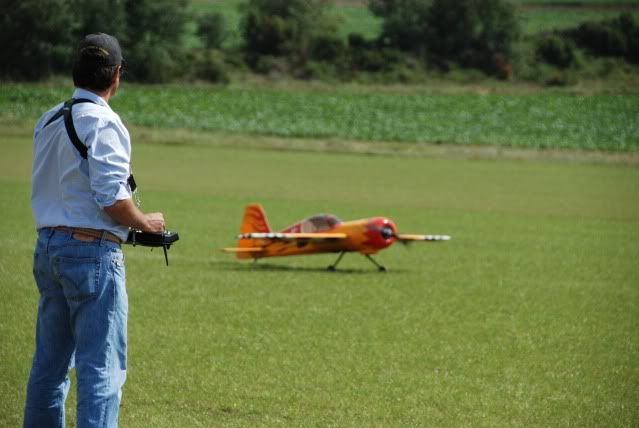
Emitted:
<point x="73" y="136"/>
<point x="68" y="123"/>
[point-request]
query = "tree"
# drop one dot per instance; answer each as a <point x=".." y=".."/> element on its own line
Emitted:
<point x="556" y="50"/>
<point x="41" y="35"/>
<point x="99" y="16"/>
<point x="618" y="37"/>
<point x="211" y="28"/>
<point x="37" y="38"/>
<point x="286" y="27"/>
<point x="405" y="22"/>
<point x="153" y="39"/>
<point x="472" y="33"/>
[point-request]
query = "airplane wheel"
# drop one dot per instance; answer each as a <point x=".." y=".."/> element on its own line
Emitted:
<point x="331" y="268"/>
<point x="382" y="269"/>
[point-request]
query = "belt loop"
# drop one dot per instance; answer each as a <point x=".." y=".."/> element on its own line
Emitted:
<point x="103" y="237"/>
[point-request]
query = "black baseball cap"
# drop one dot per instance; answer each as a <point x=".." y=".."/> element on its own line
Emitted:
<point x="100" y="50"/>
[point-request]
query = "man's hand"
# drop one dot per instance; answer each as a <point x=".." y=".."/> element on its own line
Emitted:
<point x="125" y="212"/>
<point x="154" y="223"/>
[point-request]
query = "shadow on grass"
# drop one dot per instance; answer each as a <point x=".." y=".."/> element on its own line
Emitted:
<point x="271" y="267"/>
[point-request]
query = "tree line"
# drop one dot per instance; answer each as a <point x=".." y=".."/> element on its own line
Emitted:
<point x="297" y="38"/>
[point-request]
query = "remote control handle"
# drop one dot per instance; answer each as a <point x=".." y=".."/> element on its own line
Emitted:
<point x="149" y="239"/>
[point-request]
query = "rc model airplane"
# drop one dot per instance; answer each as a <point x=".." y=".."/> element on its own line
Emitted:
<point x="322" y="233"/>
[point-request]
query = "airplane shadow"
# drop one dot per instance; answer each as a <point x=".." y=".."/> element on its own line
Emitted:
<point x="271" y="267"/>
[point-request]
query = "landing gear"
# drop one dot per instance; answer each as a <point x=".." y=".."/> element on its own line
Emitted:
<point x="379" y="267"/>
<point x="333" y="267"/>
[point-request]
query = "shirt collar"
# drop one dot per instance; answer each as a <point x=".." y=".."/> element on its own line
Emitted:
<point x="83" y="93"/>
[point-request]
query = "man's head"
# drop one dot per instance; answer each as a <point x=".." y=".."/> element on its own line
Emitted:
<point x="98" y="63"/>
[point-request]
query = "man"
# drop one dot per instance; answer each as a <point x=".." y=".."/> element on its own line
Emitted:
<point x="81" y="200"/>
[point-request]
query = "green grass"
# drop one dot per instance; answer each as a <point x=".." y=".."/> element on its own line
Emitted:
<point x="540" y="20"/>
<point x="359" y="20"/>
<point x="526" y="318"/>
<point x="558" y="121"/>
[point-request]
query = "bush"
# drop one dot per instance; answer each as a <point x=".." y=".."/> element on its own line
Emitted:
<point x="211" y="29"/>
<point x="471" y="33"/>
<point x="357" y="41"/>
<point x="42" y="35"/>
<point x="560" y="78"/>
<point x="152" y="63"/>
<point x="405" y="22"/>
<point x="152" y="43"/>
<point x="375" y="59"/>
<point x="208" y="65"/>
<point x="556" y="50"/>
<point x="327" y="48"/>
<point x="630" y="29"/>
<point x="106" y="16"/>
<point x="323" y="70"/>
<point x="264" y="35"/>
<point x="601" y="39"/>
<point x="285" y="27"/>
<point x="618" y="37"/>
<point x="270" y="65"/>
<point x="36" y="38"/>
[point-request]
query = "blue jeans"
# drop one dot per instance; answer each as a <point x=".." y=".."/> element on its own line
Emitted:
<point x="82" y="322"/>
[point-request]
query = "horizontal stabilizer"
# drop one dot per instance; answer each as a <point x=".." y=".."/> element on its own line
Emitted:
<point x="409" y="237"/>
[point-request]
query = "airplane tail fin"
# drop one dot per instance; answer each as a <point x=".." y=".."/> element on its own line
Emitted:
<point x="254" y="220"/>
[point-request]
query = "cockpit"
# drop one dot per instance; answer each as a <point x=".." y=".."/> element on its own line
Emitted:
<point x="317" y="223"/>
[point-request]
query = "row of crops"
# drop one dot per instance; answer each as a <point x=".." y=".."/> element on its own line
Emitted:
<point x="560" y="121"/>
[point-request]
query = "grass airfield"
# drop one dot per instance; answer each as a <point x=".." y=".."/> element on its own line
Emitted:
<point x="528" y="317"/>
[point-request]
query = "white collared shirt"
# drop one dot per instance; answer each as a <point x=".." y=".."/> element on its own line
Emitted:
<point x="68" y="190"/>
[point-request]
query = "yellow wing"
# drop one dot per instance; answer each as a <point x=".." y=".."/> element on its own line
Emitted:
<point x="282" y="236"/>
<point x="271" y="237"/>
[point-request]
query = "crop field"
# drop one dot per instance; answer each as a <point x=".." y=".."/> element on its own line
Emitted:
<point x="528" y="317"/>
<point x="599" y="122"/>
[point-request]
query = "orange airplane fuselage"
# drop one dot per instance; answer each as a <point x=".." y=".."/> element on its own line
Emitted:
<point x="366" y="236"/>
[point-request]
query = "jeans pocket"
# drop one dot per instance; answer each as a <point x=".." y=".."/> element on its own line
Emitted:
<point x="40" y="272"/>
<point x="79" y="277"/>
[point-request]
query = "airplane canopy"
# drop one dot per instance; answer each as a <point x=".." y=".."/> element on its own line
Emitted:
<point x="316" y="223"/>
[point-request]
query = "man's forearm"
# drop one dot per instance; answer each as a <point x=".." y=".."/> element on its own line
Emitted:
<point x="125" y="212"/>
